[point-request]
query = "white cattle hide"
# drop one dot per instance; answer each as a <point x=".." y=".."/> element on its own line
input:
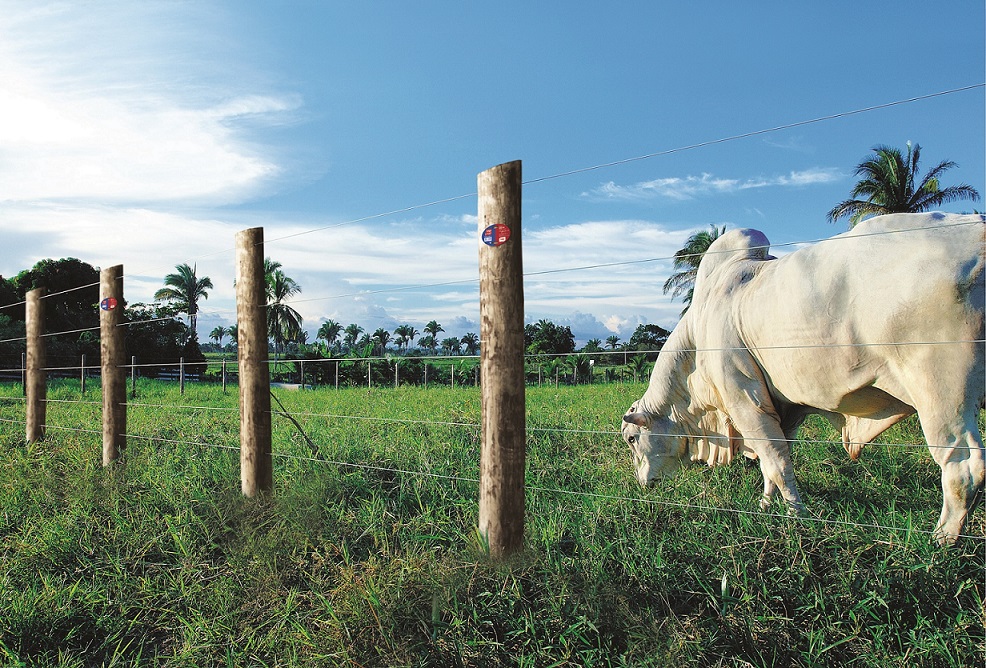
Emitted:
<point x="864" y="328"/>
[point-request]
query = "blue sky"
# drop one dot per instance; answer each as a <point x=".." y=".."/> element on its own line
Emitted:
<point x="148" y="133"/>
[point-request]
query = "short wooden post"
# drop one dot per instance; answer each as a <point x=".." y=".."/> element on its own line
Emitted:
<point x="397" y="377"/>
<point x="181" y="375"/>
<point x="369" y="375"/>
<point x="112" y="355"/>
<point x="224" y="376"/>
<point x="256" y="466"/>
<point x="337" y="374"/>
<point x="34" y="374"/>
<point x="302" y="374"/>
<point x="83" y="375"/>
<point x="133" y="376"/>
<point x="501" y="311"/>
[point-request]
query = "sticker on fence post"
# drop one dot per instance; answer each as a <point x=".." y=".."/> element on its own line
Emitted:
<point x="496" y="235"/>
<point x="108" y="304"/>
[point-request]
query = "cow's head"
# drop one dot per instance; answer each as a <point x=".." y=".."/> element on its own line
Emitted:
<point x="657" y="451"/>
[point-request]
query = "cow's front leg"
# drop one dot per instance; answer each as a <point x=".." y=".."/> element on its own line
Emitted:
<point x="774" y="453"/>
<point x="769" y="490"/>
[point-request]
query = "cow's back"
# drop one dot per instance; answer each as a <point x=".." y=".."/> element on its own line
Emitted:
<point x="849" y="324"/>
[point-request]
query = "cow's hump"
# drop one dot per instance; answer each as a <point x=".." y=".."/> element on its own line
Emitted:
<point x="735" y="246"/>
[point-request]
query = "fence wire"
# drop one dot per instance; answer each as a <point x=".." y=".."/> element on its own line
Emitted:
<point x="470" y="480"/>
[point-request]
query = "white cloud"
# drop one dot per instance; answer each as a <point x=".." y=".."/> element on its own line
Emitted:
<point x="90" y="110"/>
<point x="117" y="136"/>
<point x="691" y="187"/>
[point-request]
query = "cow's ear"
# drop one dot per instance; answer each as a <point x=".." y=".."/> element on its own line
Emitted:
<point x="638" y="419"/>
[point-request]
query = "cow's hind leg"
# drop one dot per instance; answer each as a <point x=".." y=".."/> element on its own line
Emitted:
<point x="957" y="446"/>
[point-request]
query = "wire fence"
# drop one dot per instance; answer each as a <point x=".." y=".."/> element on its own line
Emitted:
<point x="607" y="434"/>
<point x="205" y="442"/>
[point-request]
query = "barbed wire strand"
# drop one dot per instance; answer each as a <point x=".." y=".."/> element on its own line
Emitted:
<point x="609" y="497"/>
<point x="530" y="488"/>
<point x="531" y="429"/>
<point x="655" y="154"/>
<point x="617" y="433"/>
<point x="756" y="133"/>
<point x="622" y="263"/>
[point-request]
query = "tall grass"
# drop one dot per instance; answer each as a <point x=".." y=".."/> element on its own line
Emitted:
<point x="366" y="553"/>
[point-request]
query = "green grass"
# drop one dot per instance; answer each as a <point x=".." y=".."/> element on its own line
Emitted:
<point x="161" y="561"/>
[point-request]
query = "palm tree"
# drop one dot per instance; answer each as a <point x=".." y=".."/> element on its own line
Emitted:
<point x="405" y="335"/>
<point x="381" y="337"/>
<point x="352" y="335"/>
<point x="639" y="367"/>
<point x="218" y="334"/>
<point x="433" y="328"/>
<point x="427" y="342"/>
<point x="270" y="266"/>
<point x="185" y="289"/>
<point x="471" y="341"/>
<point x="612" y="341"/>
<point x="283" y="322"/>
<point x="888" y="186"/>
<point x="329" y="332"/>
<point x="451" y="346"/>
<point x="686" y="263"/>
<point x="234" y="332"/>
<point x="581" y="366"/>
<point x="593" y="346"/>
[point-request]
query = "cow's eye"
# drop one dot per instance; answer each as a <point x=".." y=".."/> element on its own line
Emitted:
<point x="631" y="439"/>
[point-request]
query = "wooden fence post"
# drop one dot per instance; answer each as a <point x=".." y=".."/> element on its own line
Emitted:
<point x="112" y="353"/>
<point x="501" y="312"/>
<point x="256" y="466"/>
<point x="34" y="374"/>
<point x="181" y="375"/>
<point x="133" y="376"/>
<point x="83" y="375"/>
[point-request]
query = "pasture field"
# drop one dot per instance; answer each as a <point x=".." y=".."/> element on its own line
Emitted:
<point x="366" y="553"/>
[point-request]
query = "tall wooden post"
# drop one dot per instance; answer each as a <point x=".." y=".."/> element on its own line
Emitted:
<point x="34" y="373"/>
<point x="256" y="466"/>
<point x="501" y="312"/>
<point x="112" y="353"/>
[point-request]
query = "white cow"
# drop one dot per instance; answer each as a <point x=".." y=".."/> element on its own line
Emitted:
<point x="864" y="328"/>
